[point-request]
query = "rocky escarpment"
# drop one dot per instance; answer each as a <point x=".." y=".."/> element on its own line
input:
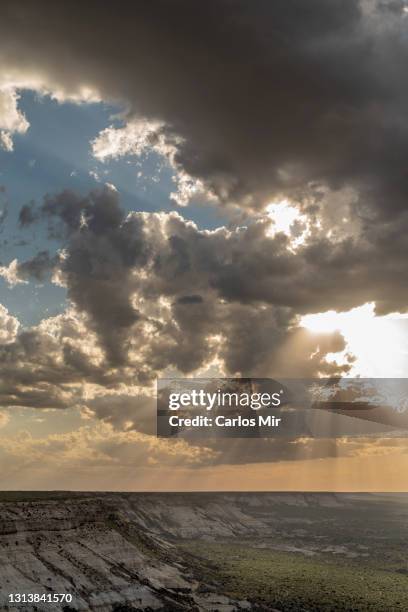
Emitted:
<point x="207" y="515"/>
<point x="101" y="550"/>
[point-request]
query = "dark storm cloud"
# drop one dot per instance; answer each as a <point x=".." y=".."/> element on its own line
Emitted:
<point x="156" y="257"/>
<point x="30" y="375"/>
<point x="103" y="248"/>
<point x="243" y="284"/>
<point x="126" y="278"/>
<point x="248" y="266"/>
<point x="47" y="366"/>
<point x="190" y="299"/>
<point x="267" y="97"/>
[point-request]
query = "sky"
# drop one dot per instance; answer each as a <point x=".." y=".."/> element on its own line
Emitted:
<point x="217" y="190"/>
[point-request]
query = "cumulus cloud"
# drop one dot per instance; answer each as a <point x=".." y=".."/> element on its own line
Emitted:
<point x="151" y="293"/>
<point x="6" y="141"/>
<point x="12" y="120"/>
<point x="10" y="273"/>
<point x="42" y="366"/>
<point x="39" y="267"/>
<point x="98" y="446"/>
<point x="155" y="289"/>
<point x="136" y="138"/>
<point x="8" y="326"/>
<point x="101" y="447"/>
<point x="140" y="137"/>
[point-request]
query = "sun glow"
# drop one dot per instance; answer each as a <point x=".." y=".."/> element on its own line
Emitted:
<point x="379" y="343"/>
<point x="289" y="220"/>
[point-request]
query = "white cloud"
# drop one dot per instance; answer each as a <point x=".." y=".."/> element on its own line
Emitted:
<point x="12" y="120"/>
<point x="8" y="326"/>
<point x="93" y="174"/>
<point x="138" y="138"/>
<point x="100" y="445"/>
<point x="135" y="138"/>
<point x="10" y="274"/>
<point x="187" y="188"/>
<point x="6" y="141"/>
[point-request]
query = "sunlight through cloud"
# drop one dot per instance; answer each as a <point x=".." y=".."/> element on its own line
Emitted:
<point x="378" y="342"/>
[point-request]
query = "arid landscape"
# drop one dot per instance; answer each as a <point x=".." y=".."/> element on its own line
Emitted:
<point x="205" y="551"/>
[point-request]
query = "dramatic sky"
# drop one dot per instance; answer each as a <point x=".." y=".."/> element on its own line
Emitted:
<point x="197" y="189"/>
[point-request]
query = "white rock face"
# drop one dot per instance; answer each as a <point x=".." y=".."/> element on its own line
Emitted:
<point x="117" y="552"/>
